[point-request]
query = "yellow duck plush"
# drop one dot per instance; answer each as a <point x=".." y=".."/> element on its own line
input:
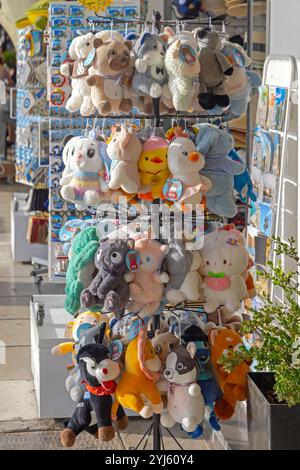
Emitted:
<point x="76" y="329"/>
<point x="142" y="367"/>
<point x="153" y="167"/>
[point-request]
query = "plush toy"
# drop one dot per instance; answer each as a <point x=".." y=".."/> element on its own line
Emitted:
<point x="150" y="77"/>
<point x="153" y="166"/>
<point x="185" y="163"/>
<point x="186" y="9"/>
<point x="86" y="184"/>
<point x="215" y="67"/>
<point x="233" y="384"/>
<point x="205" y="377"/>
<point x="182" y="267"/>
<point x="147" y="283"/>
<point x="109" y="288"/>
<point x="164" y="343"/>
<point x="183" y="68"/>
<point x="224" y="260"/>
<point x="242" y="183"/>
<point x="81" y="267"/>
<point x="84" y="330"/>
<point x="185" y="401"/>
<point x="98" y="372"/>
<point x="108" y="76"/>
<point x="215" y="144"/>
<point x="125" y="150"/>
<point x="142" y="368"/>
<point x="81" y="54"/>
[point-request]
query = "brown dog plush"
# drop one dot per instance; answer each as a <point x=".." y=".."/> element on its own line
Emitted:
<point x="233" y="385"/>
<point x="108" y="76"/>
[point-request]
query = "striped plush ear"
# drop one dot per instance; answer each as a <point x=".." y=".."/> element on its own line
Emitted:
<point x="141" y="346"/>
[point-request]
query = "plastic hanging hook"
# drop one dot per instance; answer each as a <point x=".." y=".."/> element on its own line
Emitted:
<point x="111" y="29"/>
<point x="126" y="29"/>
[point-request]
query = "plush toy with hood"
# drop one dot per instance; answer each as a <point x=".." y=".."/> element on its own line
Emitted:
<point x="233" y="384"/>
<point x="182" y="267"/>
<point x="125" y="150"/>
<point x="185" y="163"/>
<point x="242" y="183"/>
<point x="114" y="258"/>
<point x="186" y="9"/>
<point x="80" y="53"/>
<point x="147" y="283"/>
<point x="185" y="401"/>
<point x="153" y="167"/>
<point x="86" y="184"/>
<point x="99" y="373"/>
<point x="84" y="330"/>
<point x="205" y="377"/>
<point x="224" y="259"/>
<point x="81" y="267"/>
<point x="150" y="77"/>
<point x="183" y="68"/>
<point x="137" y="382"/>
<point x="215" y="144"/>
<point x="215" y="67"/>
<point x="108" y="76"/>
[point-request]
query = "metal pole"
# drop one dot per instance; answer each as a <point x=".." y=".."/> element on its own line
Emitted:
<point x="156" y="417"/>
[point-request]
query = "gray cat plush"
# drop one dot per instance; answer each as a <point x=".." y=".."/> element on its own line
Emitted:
<point x="150" y="77"/>
<point x="109" y="288"/>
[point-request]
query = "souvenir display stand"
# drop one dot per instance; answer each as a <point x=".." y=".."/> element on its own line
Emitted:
<point x="187" y="298"/>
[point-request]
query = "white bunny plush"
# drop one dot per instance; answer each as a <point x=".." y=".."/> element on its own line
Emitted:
<point x="85" y="183"/>
<point x="184" y="163"/>
<point x="185" y="400"/>
<point x="224" y="260"/>
<point x="82" y="54"/>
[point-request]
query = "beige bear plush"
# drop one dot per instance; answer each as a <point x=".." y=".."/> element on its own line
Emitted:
<point x="108" y="76"/>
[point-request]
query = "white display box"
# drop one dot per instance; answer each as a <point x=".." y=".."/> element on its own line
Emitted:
<point x="49" y="372"/>
<point x="22" y="251"/>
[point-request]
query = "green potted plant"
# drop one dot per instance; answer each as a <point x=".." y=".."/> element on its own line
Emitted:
<point x="273" y="403"/>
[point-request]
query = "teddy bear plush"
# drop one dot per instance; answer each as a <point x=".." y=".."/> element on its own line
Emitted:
<point x="137" y="382"/>
<point x="215" y="144"/>
<point x="86" y="184"/>
<point x="81" y="54"/>
<point x="108" y="76"/>
<point x="182" y="267"/>
<point x="185" y="400"/>
<point x="150" y="77"/>
<point x="185" y="163"/>
<point x="233" y="384"/>
<point x="183" y="68"/>
<point x="224" y="259"/>
<point x="109" y="288"/>
<point x="147" y="283"/>
<point x="215" y="67"/>
<point x="125" y="150"/>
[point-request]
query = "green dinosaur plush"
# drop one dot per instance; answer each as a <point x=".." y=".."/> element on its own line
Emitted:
<point x="81" y="267"/>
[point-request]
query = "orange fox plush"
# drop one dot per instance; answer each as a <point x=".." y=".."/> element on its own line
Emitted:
<point x="233" y="384"/>
<point x="142" y="368"/>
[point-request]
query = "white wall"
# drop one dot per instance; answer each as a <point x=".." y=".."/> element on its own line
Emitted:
<point x="284" y="27"/>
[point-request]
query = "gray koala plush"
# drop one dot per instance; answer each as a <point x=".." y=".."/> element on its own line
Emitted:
<point x="150" y="77"/>
<point x="109" y="288"/>
<point x="214" y="68"/>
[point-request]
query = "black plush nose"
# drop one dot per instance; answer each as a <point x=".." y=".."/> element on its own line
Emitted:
<point x="167" y="372"/>
<point x="162" y="54"/>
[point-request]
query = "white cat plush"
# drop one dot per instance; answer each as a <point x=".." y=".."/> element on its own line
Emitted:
<point x="224" y="260"/>
<point x="86" y="183"/>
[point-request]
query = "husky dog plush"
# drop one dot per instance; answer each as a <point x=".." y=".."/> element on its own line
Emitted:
<point x="150" y="77"/>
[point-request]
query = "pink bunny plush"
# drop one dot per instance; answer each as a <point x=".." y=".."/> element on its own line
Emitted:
<point x="147" y="283"/>
<point x="125" y="150"/>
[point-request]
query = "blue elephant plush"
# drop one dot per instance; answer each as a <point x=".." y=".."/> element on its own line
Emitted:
<point x="215" y="144"/>
<point x="242" y="183"/>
